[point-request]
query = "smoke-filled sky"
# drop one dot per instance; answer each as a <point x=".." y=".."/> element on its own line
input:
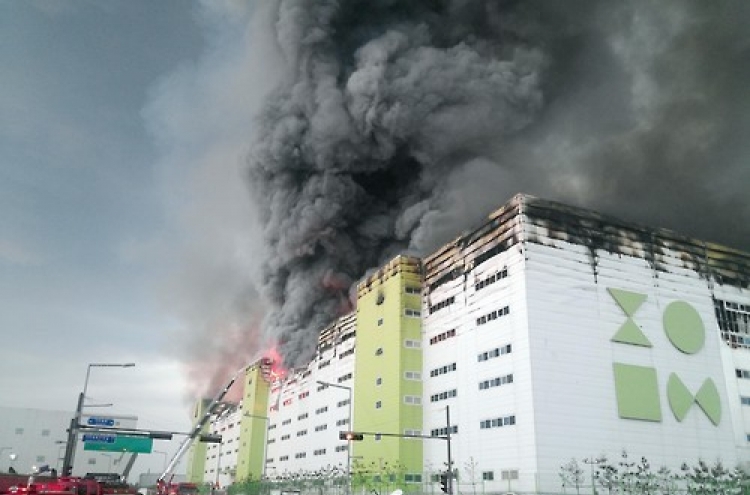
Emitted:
<point x="183" y="183"/>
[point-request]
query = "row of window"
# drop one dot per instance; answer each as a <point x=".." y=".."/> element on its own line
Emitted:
<point x="348" y="352"/>
<point x="491" y="279"/>
<point x="493" y="316"/>
<point x="496" y="382"/>
<point x="497" y="422"/>
<point x="443" y="370"/>
<point x="442" y="304"/>
<point x="448" y="394"/>
<point x="443" y="336"/>
<point x="442" y="432"/>
<point x="496" y="352"/>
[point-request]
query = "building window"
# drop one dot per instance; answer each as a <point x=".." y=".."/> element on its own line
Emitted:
<point x="379" y="351"/>
<point x="412" y="313"/>
<point x="488" y="475"/>
<point x="342" y="403"/>
<point x="745" y="401"/>
<point x="412" y="344"/>
<point x="412" y="478"/>
<point x="19" y="431"/>
<point x="91" y="461"/>
<point x="285" y="437"/>
<point x="497" y="422"/>
<point x="302" y="433"/>
<point x="491" y="279"/>
<point x="413" y="400"/>
<point x="380" y="322"/>
<point x="496" y="382"/>
<point x="742" y="373"/>
<point x="342" y="422"/>
<point x="734" y="322"/>
<point x="45" y="433"/>
<point x="346" y="353"/>
<point x="448" y="394"/>
<point x="413" y="375"/>
<point x="413" y="433"/>
<point x="412" y="290"/>
<point x="321" y="427"/>
<point x="286" y="422"/>
<point x="378" y="405"/>
<point x="443" y="432"/>
<point x="344" y="378"/>
<point x="509" y="474"/>
<point x="319" y="452"/>
<point x="321" y="410"/>
<point x="493" y="315"/>
<point x="342" y="448"/>
<point x="443" y="370"/>
<point x="443" y="336"/>
<point x="300" y="417"/>
<point x="442" y="304"/>
<point x="496" y="352"/>
<point x="378" y="381"/>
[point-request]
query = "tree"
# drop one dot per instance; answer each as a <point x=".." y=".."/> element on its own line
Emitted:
<point x="571" y="474"/>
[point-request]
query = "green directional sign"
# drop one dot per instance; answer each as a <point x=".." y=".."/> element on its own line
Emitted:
<point x="122" y="443"/>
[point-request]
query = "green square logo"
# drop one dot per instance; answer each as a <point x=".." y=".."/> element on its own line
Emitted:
<point x="637" y="392"/>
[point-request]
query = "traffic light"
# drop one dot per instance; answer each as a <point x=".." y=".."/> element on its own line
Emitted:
<point x="207" y="438"/>
<point x="160" y="435"/>
<point x="444" y="483"/>
<point x="350" y="435"/>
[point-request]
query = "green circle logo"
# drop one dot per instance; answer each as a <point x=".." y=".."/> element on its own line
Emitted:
<point x="684" y="327"/>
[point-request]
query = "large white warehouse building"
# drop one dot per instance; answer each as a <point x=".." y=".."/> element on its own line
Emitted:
<point x="546" y="343"/>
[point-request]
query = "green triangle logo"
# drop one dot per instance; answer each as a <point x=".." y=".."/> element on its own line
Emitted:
<point x="630" y="333"/>
<point x="628" y="301"/>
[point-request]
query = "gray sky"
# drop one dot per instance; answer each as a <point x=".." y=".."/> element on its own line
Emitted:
<point x="86" y="208"/>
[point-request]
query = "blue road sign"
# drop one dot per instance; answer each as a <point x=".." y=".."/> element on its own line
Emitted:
<point x="101" y="421"/>
<point x="99" y="438"/>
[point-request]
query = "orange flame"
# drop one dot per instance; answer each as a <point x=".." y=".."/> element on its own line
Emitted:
<point x="273" y="366"/>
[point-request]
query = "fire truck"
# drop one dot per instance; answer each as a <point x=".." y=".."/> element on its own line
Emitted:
<point x="92" y="484"/>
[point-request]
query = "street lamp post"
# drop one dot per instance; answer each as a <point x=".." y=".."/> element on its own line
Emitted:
<point x="351" y="428"/>
<point x="70" y="448"/>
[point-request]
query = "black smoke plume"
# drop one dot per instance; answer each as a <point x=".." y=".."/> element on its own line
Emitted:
<point x="399" y="124"/>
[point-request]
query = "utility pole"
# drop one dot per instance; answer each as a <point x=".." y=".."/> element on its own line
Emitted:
<point x="450" y="461"/>
<point x="67" y="468"/>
